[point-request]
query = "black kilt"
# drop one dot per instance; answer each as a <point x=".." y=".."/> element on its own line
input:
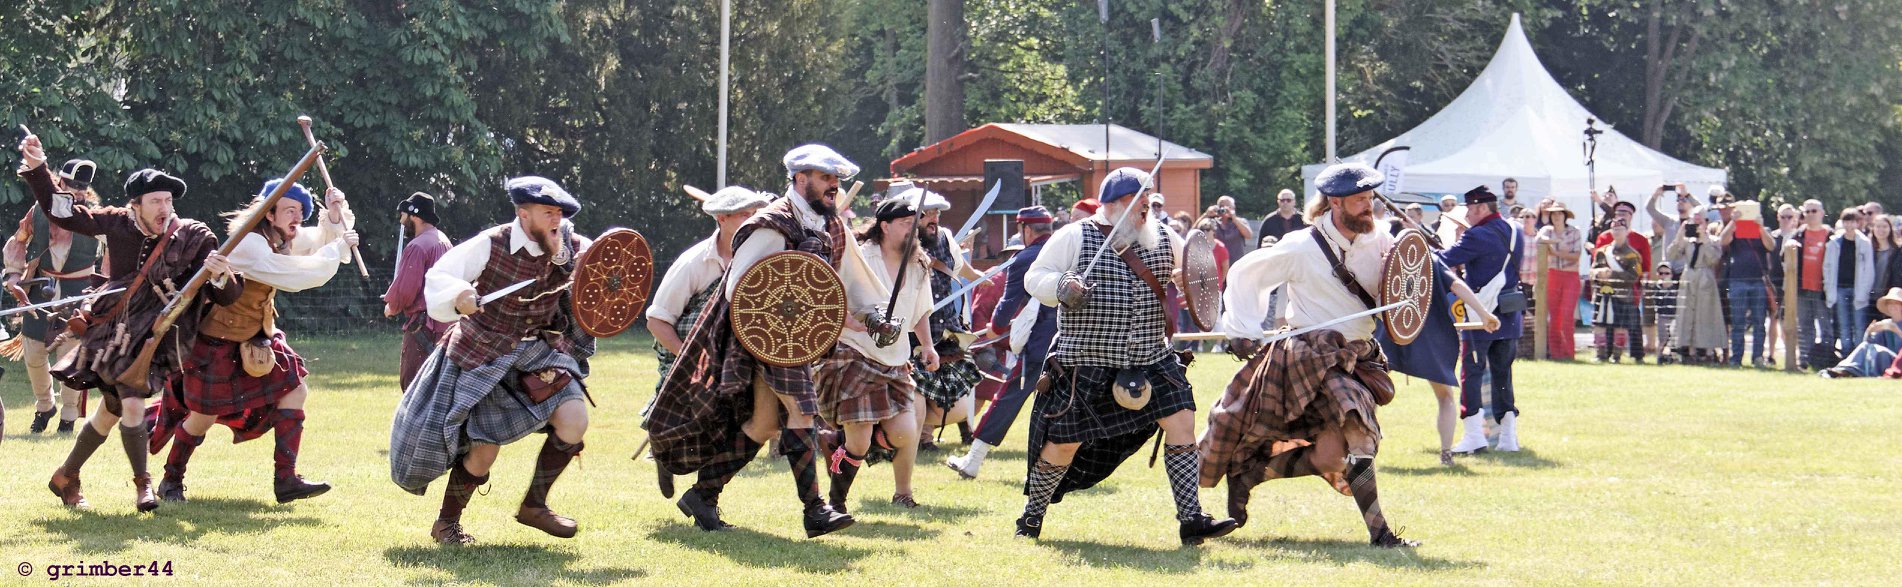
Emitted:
<point x="1080" y="408"/>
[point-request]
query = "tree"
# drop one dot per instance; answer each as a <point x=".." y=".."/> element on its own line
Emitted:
<point x="944" y="70"/>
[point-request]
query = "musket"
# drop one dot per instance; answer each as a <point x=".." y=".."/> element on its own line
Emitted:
<point x="136" y="374"/>
<point x="324" y="170"/>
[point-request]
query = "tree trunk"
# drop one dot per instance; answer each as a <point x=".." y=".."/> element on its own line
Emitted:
<point x="944" y="68"/>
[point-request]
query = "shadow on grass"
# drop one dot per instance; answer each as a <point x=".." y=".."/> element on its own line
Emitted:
<point x="488" y="563"/>
<point x="111" y="532"/>
<point x="889" y="531"/>
<point x="1354" y="551"/>
<point x="927" y="511"/>
<point x="1178" y="560"/>
<point x="765" y="551"/>
<point x="1523" y="458"/>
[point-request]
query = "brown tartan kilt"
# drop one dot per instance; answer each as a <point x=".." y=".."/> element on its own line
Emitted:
<point x="1285" y="395"/>
<point x="215" y="382"/>
<point x="853" y="388"/>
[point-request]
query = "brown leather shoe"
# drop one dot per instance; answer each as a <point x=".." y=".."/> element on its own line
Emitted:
<point x="147" y="501"/>
<point x="67" y="489"/>
<point x="546" y="520"/>
<point x="449" y="533"/>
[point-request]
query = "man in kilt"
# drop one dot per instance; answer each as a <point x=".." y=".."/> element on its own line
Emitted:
<point x="719" y="405"/>
<point x="1305" y="405"/>
<point x="864" y="383"/>
<point x="694" y="278"/>
<point x="45" y="262"/>
<point x="148" y="249"/>
<point x="950" y="393"/>
<point x="405" y="295"/>
<point x="1115" y="342"/>
<point x="948" y="265"/>
<point x="239" y="371"/>
<point x="506" y="369"/>
<point x="1617" y="273"/>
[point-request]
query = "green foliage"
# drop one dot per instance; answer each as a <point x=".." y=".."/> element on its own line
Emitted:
<point x="618" y="100"/>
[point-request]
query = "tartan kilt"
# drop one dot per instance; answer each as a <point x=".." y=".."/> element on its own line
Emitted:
<point x="215" y="384"/>
<point x="1080" y="408"/>
<point x="1288" y="393"/>
<point x="950" y="383"/>
<point x="853" y="388"/>
<point x="1615" y="312"/>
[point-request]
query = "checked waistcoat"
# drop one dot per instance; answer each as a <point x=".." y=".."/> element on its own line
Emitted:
<point x="1121" y="325"/>
<point x="482" y="337"/>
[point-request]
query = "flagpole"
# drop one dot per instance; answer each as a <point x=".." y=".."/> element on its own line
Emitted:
<point x="726" y="38"/>
<point x="1330" y="82"/>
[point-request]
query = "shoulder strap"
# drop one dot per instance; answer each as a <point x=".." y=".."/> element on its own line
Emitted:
<point x="138" y="280"/>
<point x="1341" y="272"/>
<point x="1128" y="255"/>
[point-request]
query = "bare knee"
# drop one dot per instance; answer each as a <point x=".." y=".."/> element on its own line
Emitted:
<point x="481" y="456"/>
<point x="132" y="408"/>
<point x="570" y="421"/>
<point x="1059" y="454"/>
<point x="1178" y="428"/>
<point x="858" y="437"/>
<point x="197" y="424"/>
<point x="295" y="399"/>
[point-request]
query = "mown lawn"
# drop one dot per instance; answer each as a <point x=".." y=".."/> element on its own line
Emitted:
<point x="1671" y="475"/>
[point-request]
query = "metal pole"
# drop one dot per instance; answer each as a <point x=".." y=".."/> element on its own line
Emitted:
<point x="726" y="38"/>
<point x="1102" y="16"/>
<point x="1330" y="81"/>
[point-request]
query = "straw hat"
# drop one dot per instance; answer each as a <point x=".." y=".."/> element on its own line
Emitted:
<point x="1893" y="298"/>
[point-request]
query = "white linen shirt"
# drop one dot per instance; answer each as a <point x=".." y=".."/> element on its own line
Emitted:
<point x="310" y="260"/>
<point x="458" y="269"/>
<point x="869" y="285"/>
<point x="697" y="268"/>
<point x="1314" y="294"/>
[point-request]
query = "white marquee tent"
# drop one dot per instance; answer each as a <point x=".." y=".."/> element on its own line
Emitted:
<point x="1516" y="121"/>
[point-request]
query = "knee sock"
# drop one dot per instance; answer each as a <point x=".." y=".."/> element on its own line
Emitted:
<point x="715" y="476"/>
<point x="553" y="459"/>
<point x="1040" y="486"/>
<point x="796" y="444"/>
<point x="88" y="441"/>
<point x="1360" y="476"/>
<point x="137" y="441"/>
<point x="844" y="469"/>
<point x="1185" y="474"/>
<point x="456" y="494"/>
<point x="289" y="428"/>
<point x="183" y="444"/>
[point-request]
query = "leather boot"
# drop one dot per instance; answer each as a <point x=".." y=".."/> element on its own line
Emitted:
<point x="1203" y="527"/>
<point x="67" y="489"/>
<point x="147" y="501"/>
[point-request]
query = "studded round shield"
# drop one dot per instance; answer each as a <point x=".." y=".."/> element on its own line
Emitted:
<point x="788" y="309"/>
<point x="1407" y="276"/>
<point x="610" y="283"/>
<point x="1201" y="279"/>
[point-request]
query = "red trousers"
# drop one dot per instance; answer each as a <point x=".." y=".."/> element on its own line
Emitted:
<point x="1561" y="295"/>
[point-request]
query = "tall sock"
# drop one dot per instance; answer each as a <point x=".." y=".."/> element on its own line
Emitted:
<point x="796" y="445"/>
<point x="1040" y="486"/>
<point x="288" y="426"/>
<point x="554" y="458"/>
<point x="1185" y="473"/>
<point x="88" y="441"/>
<point x="714" y="476"/>
<point x="845" y="469"/>
<point x="183" y="444"/>
<point x="1360" y="476"/>
<point x="455" y="495"/>
<point x="137" y="442"/>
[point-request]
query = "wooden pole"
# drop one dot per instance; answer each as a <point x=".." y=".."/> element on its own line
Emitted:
<point x="1541" y="313"/>
<point x="1790" y="285"/>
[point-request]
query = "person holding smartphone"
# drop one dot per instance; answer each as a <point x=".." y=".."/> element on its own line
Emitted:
<point x="1747" y="251"/>
<point x="1699" y="330"/>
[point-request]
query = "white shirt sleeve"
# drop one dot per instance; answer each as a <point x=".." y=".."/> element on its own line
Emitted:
<point x="309" y="239"/>
<point x="254" y="259"/>
<point x="685" y="278"/>
<point x="453" y="274"/>
<point x="1251" y="281"/>
<point x="1059" y="255"/>
<point x="762" y="242"/>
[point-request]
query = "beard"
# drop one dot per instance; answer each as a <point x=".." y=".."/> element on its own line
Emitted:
<point x="1362" y="223"/>
<point x="816" y="198"/>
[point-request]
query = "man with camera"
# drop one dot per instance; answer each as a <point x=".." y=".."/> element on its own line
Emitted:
<point x="1230" y="229"/>
<point x="1287" y="217"/>
<point x="1747" y="257"/>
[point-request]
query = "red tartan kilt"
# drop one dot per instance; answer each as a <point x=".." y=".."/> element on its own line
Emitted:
<point x="215" y="382"/>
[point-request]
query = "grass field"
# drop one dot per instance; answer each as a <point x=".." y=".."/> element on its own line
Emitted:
<point x="1646" y="474"/>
